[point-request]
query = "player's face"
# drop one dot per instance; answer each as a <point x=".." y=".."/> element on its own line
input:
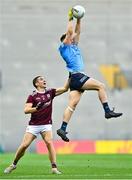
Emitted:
<point x="41" y="82"/>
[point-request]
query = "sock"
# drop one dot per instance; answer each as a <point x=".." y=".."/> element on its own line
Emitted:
<point x="14" y="163"/>
<point x="63" y="126"/>
<point x="53" y="165"/>
<point x="106" y="107"/>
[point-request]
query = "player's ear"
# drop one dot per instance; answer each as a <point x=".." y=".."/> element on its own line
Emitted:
<point x="36" y="84"/>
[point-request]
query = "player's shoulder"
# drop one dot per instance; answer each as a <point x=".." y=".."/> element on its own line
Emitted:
<point x="33" y="93"/>
<point x="75" y="44"/>
<point x="63" y="45"/>
<point x="50" y="90"/>
<point x="31" y="97"/>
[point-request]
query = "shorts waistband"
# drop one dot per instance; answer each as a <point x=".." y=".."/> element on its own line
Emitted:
<point x="75" y="72"/>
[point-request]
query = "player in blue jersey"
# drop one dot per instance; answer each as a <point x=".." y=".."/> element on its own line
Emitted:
<point x="79" y="81"/>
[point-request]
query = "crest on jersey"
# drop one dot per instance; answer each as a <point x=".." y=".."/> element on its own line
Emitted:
<point x="48" y="96"/>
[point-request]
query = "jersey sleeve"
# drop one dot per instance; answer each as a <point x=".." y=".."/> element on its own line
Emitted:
<point x="53" y="93"/>
<point x="29" y="99"/>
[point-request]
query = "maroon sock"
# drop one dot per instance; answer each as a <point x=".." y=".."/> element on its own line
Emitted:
<point x="15" y="163"/>
<point x="54" y="165"/>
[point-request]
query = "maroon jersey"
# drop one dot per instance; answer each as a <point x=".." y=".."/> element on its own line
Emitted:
<point x="44" y="115"/>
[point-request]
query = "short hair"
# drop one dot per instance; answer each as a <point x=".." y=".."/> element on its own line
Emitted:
<point x="63" y="37"/>
<point x="35" y="80"/>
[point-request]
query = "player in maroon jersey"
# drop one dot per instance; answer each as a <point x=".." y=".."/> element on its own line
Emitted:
<point x="39" y="105"/>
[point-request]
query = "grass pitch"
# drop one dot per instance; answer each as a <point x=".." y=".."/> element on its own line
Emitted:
<point x="87" y="166"/>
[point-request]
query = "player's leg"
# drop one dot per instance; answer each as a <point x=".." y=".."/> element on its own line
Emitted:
<point x="74" y="98"/>
<point x="27" y="139"/>
<point x="92" y="84"/>
<point x="47" y="137"/>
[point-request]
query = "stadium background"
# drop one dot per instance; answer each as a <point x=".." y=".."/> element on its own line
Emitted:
<point x="29" y="39"/>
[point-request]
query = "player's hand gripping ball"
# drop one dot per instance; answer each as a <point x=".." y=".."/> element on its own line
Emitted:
<point x="78" y="11"/>
<point x="70" y="14"/>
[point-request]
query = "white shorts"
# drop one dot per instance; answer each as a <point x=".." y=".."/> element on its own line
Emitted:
<point x="35" y="130"/>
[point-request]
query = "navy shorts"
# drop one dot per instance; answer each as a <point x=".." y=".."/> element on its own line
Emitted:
<point x="77" y="80"/>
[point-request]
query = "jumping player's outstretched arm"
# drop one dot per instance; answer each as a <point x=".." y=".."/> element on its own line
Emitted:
<point x="72" y="36"/>
<point x="70" y="29"/>
<point x="77" y="31"/>
<point x="63" y="89"/>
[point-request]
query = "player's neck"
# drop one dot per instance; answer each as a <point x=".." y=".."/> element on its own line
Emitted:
<point x="41" y="90"/>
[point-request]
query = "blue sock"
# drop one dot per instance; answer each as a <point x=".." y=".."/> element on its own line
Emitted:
<point x="106" y="107"/>
<point x="63" y="126"/>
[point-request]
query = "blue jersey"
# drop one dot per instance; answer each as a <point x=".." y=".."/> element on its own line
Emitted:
<point x="72" y="56"/>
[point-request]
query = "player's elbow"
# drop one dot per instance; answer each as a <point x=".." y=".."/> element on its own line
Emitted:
<point x="70" y="30"/>
<point x="66" y="89"/>
<point x="26" y="111"/>
<point x="78" y="32"/>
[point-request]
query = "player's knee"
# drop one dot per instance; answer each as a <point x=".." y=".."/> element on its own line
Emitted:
<point x="48" y="142"/>
<point x="72" y="107"/>
<point x="74" y="103"/>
